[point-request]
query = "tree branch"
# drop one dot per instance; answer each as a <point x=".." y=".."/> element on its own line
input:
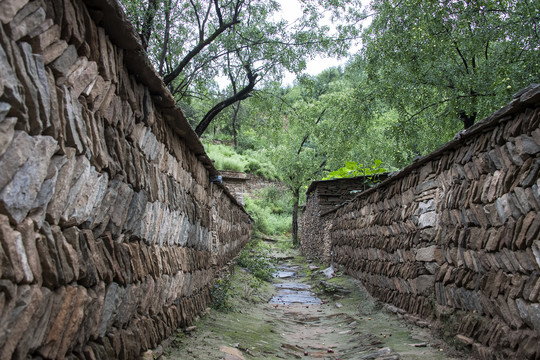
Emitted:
<point x="241" y="95"/>
<point x="197" y="49"/>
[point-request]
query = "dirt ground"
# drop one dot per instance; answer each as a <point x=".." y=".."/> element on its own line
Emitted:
<point x="303" y="314"/>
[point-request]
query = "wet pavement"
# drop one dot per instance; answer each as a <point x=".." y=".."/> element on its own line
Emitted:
<point x="292" y="292"/>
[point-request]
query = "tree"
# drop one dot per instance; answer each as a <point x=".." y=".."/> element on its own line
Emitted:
<point x="309" y="129"/>
<point x="192" y="42"/>
<point x="450" y="61"/>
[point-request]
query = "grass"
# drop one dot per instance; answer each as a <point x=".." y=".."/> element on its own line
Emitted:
<point x="250" y="161"/>
<point x="271" y="210"/>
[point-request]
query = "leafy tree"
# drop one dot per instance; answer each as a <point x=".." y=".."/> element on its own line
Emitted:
<point x="192" y="42"/>
<point x="441" y="62"/>
<point x="308" y="135"/>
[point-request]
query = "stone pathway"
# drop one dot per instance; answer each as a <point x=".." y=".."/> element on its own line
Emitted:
<point x="308" y="316"/>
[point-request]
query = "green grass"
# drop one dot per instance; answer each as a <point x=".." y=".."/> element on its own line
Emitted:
<point x="271" y="209"/>
<point x="250" y="161"/>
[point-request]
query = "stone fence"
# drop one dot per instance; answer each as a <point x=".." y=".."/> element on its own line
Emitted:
<point x="454" y="237"/>
<point x="111" y="233"/>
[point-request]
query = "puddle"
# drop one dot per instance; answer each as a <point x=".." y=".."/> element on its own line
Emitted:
<point x="292" y="292"/>
<point x="285" y="274"/>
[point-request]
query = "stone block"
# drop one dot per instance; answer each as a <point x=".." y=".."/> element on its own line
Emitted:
<point x="526" y="145"/>
<point x="29" y="18"/>
<point x="7" y="132"/>
<point x="429" y="219"/>
<point x="41" y="41"/>
<point x="9" y="8"/>
<point x="64" y="61"/>
<point x="17" y="267"/>
<point x="53" y="51"/>
<point x="529" y="313"/>
<point x="16" y="322"/>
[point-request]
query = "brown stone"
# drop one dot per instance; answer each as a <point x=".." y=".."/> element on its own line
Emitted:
<point x="13" y="248"/>
<point x="53" y="51"/>
<point x="19" y="319"/>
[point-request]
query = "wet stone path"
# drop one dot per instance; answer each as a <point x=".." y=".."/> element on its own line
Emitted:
<point x="303" y="314"/>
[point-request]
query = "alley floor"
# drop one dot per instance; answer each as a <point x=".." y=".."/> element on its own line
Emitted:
<point x="304" y="312"/>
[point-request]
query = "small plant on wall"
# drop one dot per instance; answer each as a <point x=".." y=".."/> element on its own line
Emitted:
<point x="354" y="169"/>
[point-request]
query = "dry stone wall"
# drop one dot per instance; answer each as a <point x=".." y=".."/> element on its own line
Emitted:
<point x="455" y="237"/>
<point x="322" y="197"/>
<point x="111" y="233"/>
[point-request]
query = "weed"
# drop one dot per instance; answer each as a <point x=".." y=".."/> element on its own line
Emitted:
<point x="220" y="294"/>
<point x="256" y="260"/>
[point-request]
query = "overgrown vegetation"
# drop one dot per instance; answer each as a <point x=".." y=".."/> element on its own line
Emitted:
<point x="255" y="258"/>
<point x="249" y="161"/>
<point x="270" y="209"/>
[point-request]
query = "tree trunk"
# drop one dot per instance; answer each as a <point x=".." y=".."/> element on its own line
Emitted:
<point x="234" y="118"/>
<point x="148" y="23"/>
<point x="296" y="195"/>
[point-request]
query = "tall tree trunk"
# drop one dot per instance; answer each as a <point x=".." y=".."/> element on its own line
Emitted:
<point x="148" y="22"/>
<point x="234" y="118"/>
<point x="296" y="195"/>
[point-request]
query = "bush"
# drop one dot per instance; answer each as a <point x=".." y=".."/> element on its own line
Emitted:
<point x="271" y="211"/>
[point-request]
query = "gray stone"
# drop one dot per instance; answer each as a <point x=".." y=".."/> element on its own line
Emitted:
<point x="63" y="63"/>
<point x="426" y="254"/>
<point x="536" y="251"/>
<point x="113" y="298"/>
<point x="21" y="27"/>
<point x="17" y="198"/>
<point x="4" y="108"/>
<point x="78" y="193"/>
<point x="56" y="206"/>
<point x="529" y="313"/>
<point x="10" y="87"/>
<point x="7" y="131"/>
<point x="526" y="145"/>
<point x="424" y="284"/>
<point x="503" y="208"/>
<point x="9" y="8"/>
<point x="428" y="219"/>
<point x="47" y="190"/>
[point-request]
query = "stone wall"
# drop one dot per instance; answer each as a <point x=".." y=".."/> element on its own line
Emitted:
<point x="454" y="237"/>
<point x="111" y="233"/>
<point x="322" y="197"/>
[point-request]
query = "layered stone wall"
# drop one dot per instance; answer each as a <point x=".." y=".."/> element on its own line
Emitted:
<point x="454" y="237"/>
<point x="322" y="197"/>
<point x="111" y="233"/>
